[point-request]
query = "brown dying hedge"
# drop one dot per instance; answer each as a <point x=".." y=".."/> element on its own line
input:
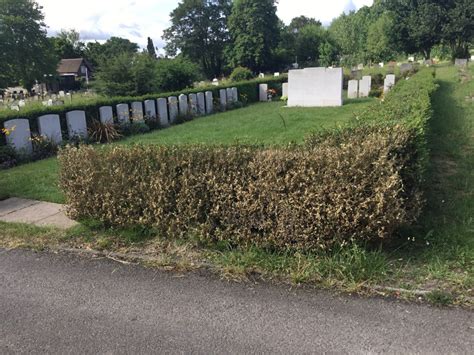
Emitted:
<point x="305" y="198"/>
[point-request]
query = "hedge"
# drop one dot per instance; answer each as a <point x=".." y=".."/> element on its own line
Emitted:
<point x="357" y="184"/>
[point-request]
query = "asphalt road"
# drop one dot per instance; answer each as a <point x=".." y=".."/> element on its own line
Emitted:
<point x="67" y="304"/>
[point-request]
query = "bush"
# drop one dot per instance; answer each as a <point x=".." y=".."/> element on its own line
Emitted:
<point x="241" y="74"/>
<point x="8" y="157"/>
<point x="175" y="74"/>
<point x="103" y="132"/>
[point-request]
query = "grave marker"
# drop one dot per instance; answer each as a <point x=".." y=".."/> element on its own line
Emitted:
<point x="460" y="62"/>
<point x="223" y="99"/>
<point x="20" y="135"/>
<point x="183" y="105"/>
<point x="353" y="89"/>
<point x="163" y="111"/>
<point x="106" y="114"/>
<point x="201" y="103"/>
<point x="76" y="124"/>
<point x="229" y="96"/>
<point x="285" y="90"/>
<point x="123" y="114"/>
<point x="150" y="110"/>
<point x="365" y="85"/>
<point x="137" y="111"/>
<point x="389" y="82"/>
<point x="263" y="92"/>
<point x="173" y="109"/>
<point x="50" y="127"/>
<point x="193" y="104"/>
<point x="209" y="102"/>
<point x="235" y="94"/>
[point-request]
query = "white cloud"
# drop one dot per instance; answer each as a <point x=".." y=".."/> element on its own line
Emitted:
<point x="139" y="19"/>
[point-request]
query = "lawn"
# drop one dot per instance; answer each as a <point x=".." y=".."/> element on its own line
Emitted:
<point x="263" y="123"/>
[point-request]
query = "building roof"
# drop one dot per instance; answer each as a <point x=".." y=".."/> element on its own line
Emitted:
<point x="72" y="66"/>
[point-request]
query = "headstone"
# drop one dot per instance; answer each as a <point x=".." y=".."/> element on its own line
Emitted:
<point x="428" y="62"/>
<point x="460" y="62"/>
<point x="263" y="92"/>
<point x="106" y="114"/>
<point x="15" y="108"/>
<point x="150" y="110"/>
<point x="389" y="82"/>
<point x="223" y="98"/>
<point x="201" y="103"/>
<point x="193" y="104"/>
<point x="123" y="114"/>
<point x="209" y="102"/>
<point x="183" y="105"/>
<point x="381" y="64"/>
<point x="173" y="107"/>
<point x="62" y="94"/>
<point x="20" y="135"/>
<point x="315" y="87"/>
<point x="353" y="89"/>
<point x="276" y="75"/>
<point x="285" y="90"/>
<point x="365" y="85"/>
<point x="76" y="124"/>
<point x="50" y="102"/>
<point x="261" y="76"/>
<point x="21" y="103"/>
<point x="406" y="67"/>
<point x="163" y="112"/>
<point x="215" y="82"/>
<point x="235" y="94"/>
<point x="411" y="59"/>
<point x="137" y="111"/>
<point x="50" y="127"/>
<point x="360" y="67"/>
<point x="230" y="96"/>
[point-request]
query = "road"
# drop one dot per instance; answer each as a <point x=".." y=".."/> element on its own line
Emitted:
<point x="59" y="304"/>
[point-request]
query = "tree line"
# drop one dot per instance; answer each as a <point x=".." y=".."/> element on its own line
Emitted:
<point x="210" y="38"/>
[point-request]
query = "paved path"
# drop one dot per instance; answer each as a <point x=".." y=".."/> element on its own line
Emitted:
<point x="34" y="212"/>
<point x="67" y="304"/>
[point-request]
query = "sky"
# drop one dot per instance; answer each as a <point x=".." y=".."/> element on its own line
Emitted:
<point x="139" y="19"/>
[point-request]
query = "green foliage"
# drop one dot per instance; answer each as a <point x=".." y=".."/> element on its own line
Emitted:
<point x="175" y="74"/>
<point x="199" y="31"/>
<point x="43" y="147"/>
<point x="150" y="48"/>
<point x="97" y="53"/>
<point x="241" y="74"/>
<point x="8" y="157"/>
<point x="103" y="132"/>
<point x="67" y="44"/>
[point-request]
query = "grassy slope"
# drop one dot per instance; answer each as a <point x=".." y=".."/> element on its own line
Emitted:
<point x="269" y="124"/>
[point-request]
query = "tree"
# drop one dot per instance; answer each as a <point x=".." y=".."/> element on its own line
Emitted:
<point x="115" y="76"/>
<point x="254" y="29"/>
<point x="98" y="54"/>
<point x="150" y="48"/>
<point x="199" y="31"/>
<point x="67" y="44"/>
<point x="458" y="29"/>
<point x="175" y="74"/>
<point x="379" y="43"/>
<point x="26" y="54"/>
<point x="308" y="41"/>
<point x="298" y="23"/>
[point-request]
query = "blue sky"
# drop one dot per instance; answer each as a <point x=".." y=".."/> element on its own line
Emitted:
<point x="138" y="19"/>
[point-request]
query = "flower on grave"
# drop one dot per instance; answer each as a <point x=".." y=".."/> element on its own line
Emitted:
<point x="7" y="131"/>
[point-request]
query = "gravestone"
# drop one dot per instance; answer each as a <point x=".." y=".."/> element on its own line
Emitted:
<point x="123" y="114"/>
<point x="315" y="87"/>
<point x="76" y="124"/>
<point x="209" y="102"/>
<point x="285" y="90"/>
<point x="365" y="85"/>
<point x="173" y="109"/>
<point x="276" y="75"/>
<point x="235" y="94"/>
<point x="230" y="96"/>
<point x="183" y="105"/>
<point x="50" y="127"/>
<point x="20" y="135"/>
<point x="106" y="114"/>
<point x="21" y="103"/>
<point x="62" y="94"/>
<point x="360" y="67"/>
<point x="215" y="82"/>
<point x="406" y="67"/>
<point x="223" y="99"/>
<point x="460" y="62"/>
<point x="263" y="92"/>
<point x="261" y="75"/>
<point x="163" y="111"/>
<point x="381" y="64"/>
<point x="137" y="111"/>
<point x="193" y="104"/>
<point x="150" y="110"/>
<point x="353" y="89"/>
<point x="389" y="82"/>
<point x="201" y="103"/>
<point x="411" y="59"/>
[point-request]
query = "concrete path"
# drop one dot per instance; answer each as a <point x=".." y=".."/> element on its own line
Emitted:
<point x="62" y="304"/>
<point x="34" y="212"/>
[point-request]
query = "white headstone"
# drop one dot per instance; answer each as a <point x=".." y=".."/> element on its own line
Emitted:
<point x="209" y="102"/>
<point x="193" y="104"/>
<point x="230" y="96"/>
<point x="360" y="67"/>
<point x="137" y="111"/>
<point x="123" y="113"/>
<point x="20" y="135"/>
<point x="173" y="107"/>
<point x="353" y="89"/>
<point x="150" y="110"/>
<point x="365" y="85"/>
<point x="389" y="82"/>
<point x="276" y="74"/>
<point x="183" y="105"/>
<point x="381" y="64"/>
<point x="263" y="92"/>
<point x="62" y="94"/>
<point x="106" y="114"/>
<point x="15" y="108"/>
<point x="460" y="62"/>
<point x="50" y="127"/>
<point x="21" y="103"/>
<point x="235" y="94"/>
<point x="411" y="59"/>
<point x="285" y="90"/>
<point x="315" y="87"/>
<point x="223" y="98"/>
<point x="201" y="103"/>
<point x="215" y="82"/>
<point x="163" y="111"/>
<point x="76" y="124"/>
<point x="50" y="102"/>
<point x="261" y="75"/>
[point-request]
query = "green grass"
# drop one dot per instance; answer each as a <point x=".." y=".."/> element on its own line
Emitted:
<point x="263" y="123"/>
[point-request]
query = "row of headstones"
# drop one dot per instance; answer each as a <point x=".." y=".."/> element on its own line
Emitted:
<point x="361" y="88"/>
<point x="167" y="110"/>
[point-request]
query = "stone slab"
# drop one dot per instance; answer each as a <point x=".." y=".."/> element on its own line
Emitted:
<point x="137" y="111"/>
<point x="263" y="92"/>
<point x="173" y="109"/>
<point x="209" y="102"/>
<point x="365" y="85"/>
<point x="183" y="105"/>
<point x="223" y="98"/>
<point x="58" y="220"/>
<point x="20" y="135"/>
<point x="76" y="124"/>
<point x="193" y="104"/>
<point x="460" y="62"/>
<point x="14" y="204"/>
<point x="50" y="127"/>
<point x="235" y="94"/>
<point x="389" y="82"/>
<point x="106" y="114"/>
<point x="285" y="90"/>
<point x="150" y="109"/>
<point x="201" y="103"/>
<point x="163" y="111"/>
<point x="123" y="113"/>
<point x="353" y="89"/>
<point x="229" y="96"/>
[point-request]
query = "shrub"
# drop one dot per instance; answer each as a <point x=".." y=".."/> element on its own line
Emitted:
<point x="8" y="157"/>
<point x="103" y="132"/>
<point x="43" y="147"/>
<point x="241" y="74"/>
<point x="175" y="74"/>
<point x="134" y="128"/>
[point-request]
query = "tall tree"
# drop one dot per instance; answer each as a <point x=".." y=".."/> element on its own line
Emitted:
<point x="67" y="44"/>
<point x="199" y="31"/>
<point x="26" y="54"/>
<point x="150" y="48"/>
<point x="254" y="28"/>
<point x="458" y="29"/>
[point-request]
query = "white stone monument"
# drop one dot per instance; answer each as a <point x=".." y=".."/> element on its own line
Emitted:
<point x="284" y="90"/>
<point x="389" y="82"/>
<point x="315" y="87"/>
<point x="193" y="104"/>
<point x="353" y="89"/>
<point x="163" y="111"/>
<point x="123" y="114"/>
<point x="173" y="109"/>
<point x="209" y="102"/>
<point x="460" y="62"/>
<point x="229" y="96"/>
<point x="20" y="135"/>
<point x="201" y="103"/>
<point x="150" y="109"/>
<point x="137" y="111"/>
<point x="276" y="75"/>
<point x="76" y="124"/>
<point x="49" y="126"/>
<point x="183" y="105"/>
<point x="106" y="114"/>
<point x="223" y="99"/>
<point x="365" y="85"/>
<point x="261" y="75"/>
<point x="235" y="94"/>
<point x="263" y="92"/>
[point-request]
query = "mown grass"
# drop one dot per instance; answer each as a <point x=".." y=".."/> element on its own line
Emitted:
<point x="267" y="124"/>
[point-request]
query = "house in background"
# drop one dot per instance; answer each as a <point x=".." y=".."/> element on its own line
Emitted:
<point x="72" y="73"/>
